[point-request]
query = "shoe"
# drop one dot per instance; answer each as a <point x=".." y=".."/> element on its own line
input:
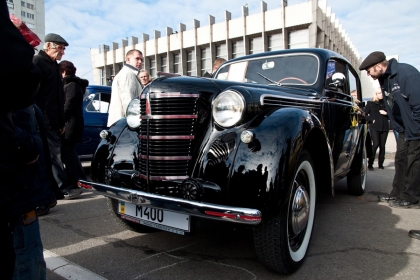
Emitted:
<point x="386" y="198"/>
<point x="414" y="233"/>
<point x="370" y="167"/>
<point x="45" y="209"/>
<point x="71" y="193"/>
<point x="405" y="204"/>
<point x="395" y="203"/>
<point x="381" y="167"/>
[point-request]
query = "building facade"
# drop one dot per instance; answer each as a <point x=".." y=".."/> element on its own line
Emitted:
<point x="191" y="52"/>
<point x="31" y="12"/>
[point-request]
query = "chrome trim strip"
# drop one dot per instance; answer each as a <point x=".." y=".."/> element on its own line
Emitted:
<point x="162" y="178"/>
<point x="193" y="208"/>
<point x="165" y="158"/>
<point x="160" y="117"/>
<point x="294" y="99"/>
<point x="168" y="137"/>
<point x="172" y="94"/>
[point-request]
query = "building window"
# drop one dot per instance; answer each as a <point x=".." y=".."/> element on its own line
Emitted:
<point x="256" y="45"/>
<point x="206" y="64"/>
<point x="23" y="14"/>
<point x="30" y="25"/>
<point x="29" y="6"/>
<point x="299" y="39"/>
<point x="22" y="3"/>
<point x="191" y="67"/>
<point x="237" y="49"/>
<point x="275" y="42"/>
<point x="177" y="63"/>
<point x="221" y="51"/>
<point x="164" y="64"/>
<point x="152" y="70"/>
<point x="28" y="15"/>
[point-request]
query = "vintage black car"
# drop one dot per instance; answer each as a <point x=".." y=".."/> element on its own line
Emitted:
<point x="254" y="145"/>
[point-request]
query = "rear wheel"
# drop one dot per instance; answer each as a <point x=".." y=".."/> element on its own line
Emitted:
<point x="282" y="241"/>
<point x="356" y="179"/>
<point x="113" y="207"/>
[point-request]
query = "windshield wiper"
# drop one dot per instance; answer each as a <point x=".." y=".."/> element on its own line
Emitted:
<point x="270" y="80"/>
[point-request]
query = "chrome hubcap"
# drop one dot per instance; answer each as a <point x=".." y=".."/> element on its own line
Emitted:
<point x="300" y="210"/>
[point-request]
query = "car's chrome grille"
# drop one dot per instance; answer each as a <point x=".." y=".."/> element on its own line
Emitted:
<point x="166" y="133"/>
<point x="272" y="100"/>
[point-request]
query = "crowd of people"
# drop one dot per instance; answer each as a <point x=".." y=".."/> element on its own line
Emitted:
<point x="40" y="124"/>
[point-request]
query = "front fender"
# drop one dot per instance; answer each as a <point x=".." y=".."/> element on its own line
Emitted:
<point x="262" y="172"/>
<point x="119" y="151"/>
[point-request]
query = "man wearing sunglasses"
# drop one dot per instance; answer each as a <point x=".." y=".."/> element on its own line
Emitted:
<point x="400" y="84"/>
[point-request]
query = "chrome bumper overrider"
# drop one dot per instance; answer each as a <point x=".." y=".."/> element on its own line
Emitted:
<point x="193" y="208"/>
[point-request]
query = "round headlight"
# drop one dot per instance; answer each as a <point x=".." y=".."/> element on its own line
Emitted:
<point x="228" y="108"/>
<point x="133" y="114"/>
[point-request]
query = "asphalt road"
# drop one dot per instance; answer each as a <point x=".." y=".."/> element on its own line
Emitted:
<point x="353" y="238"/>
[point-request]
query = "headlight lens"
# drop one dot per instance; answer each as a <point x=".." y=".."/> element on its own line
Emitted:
<point x="133" y="114"/>
<point x="228" y="108"/>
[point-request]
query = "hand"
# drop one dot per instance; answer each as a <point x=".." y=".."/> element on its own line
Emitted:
<point x="383" y="112"/>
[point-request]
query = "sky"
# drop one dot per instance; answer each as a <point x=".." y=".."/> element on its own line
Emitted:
<point x="391" y="26"/>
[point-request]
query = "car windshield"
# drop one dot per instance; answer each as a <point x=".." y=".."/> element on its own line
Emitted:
<point x="296" y="69"/>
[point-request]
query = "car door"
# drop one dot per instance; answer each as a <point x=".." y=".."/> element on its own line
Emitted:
<point x="95" y="113"/>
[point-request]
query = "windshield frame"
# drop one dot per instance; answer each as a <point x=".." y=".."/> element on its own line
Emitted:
<point x="267" y="57"/>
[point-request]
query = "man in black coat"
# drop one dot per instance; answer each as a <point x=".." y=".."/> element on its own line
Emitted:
<point x="400" y="84"/>
<point x="50" y="99"/>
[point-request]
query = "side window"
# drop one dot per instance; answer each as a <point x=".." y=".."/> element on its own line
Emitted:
<point x="99" y="103"/>
<point x="335" y="69"/>
<point x="354" y="85"/>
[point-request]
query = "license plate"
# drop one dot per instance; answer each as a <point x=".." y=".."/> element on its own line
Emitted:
<point x="154" y="217"/>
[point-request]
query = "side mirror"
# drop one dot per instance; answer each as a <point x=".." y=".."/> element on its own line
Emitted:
<point x="338" y="79"/>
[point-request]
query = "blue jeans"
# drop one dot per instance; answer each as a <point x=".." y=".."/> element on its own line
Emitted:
<point x="30" y="263"/>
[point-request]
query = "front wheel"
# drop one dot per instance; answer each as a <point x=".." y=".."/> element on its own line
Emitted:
<point x="282" y="241"/>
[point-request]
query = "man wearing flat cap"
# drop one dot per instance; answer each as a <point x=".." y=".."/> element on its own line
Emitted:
<point x="400" y="84"/>
<point x="50" y="99"/>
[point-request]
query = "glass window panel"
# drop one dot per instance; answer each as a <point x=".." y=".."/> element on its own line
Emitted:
<point x="275" y="42"/>
<point x="255" y="45"/>
<point x="221" y="51"/>
<point x="237" y="49"/>
<point x="299" y="39"/>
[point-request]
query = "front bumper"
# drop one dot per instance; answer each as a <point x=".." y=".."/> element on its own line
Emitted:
<point x="193" y="208"/>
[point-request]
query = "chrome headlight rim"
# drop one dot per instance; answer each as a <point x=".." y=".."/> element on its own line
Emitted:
<point x="133" y="114"/>
<point x="234" y="105"/>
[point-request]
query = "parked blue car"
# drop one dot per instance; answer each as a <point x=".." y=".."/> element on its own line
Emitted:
<point x="95" y="112"/>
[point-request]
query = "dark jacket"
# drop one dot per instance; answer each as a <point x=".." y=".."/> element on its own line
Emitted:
<point x="50" y="96"/>
<point x="377" y="121"/>
<point x="74" y="89"/>
<point x="401" y="87"/>
<point x="19" y="73"/>
<point x="33" y="184"/>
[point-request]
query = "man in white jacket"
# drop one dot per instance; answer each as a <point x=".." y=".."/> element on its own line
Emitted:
<point x="125" y="86"/>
